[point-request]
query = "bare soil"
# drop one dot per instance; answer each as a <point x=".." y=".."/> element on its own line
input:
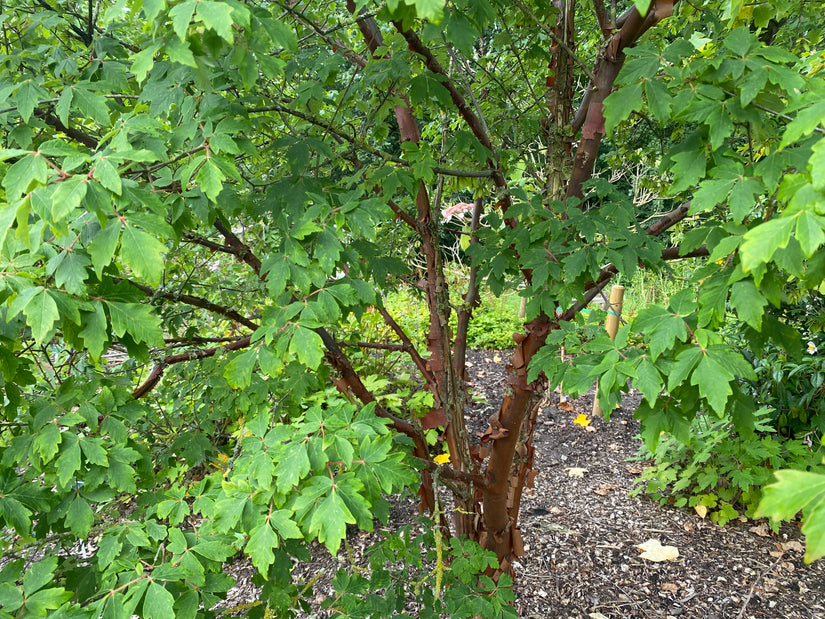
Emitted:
<point x="581" y="534"/>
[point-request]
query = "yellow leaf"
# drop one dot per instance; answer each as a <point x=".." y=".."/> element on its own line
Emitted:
<point x="702" y="510"/>
<point x="582" y="421"/>
<point x="652" y="550"/>
<point x="574" y="471"/>
<point x="442" y="459"/>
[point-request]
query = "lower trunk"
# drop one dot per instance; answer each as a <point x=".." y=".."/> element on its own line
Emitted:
<point x="510" y="465"/>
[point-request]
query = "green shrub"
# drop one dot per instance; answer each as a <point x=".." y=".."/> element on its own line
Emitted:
<point x="720" y="469"/>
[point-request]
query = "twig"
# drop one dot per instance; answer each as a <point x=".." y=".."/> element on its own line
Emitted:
<point x="767" y="570"/>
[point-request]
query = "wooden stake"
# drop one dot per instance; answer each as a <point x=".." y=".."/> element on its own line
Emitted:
<point x="611" y="324"/>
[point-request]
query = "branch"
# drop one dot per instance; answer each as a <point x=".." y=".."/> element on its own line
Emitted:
<point x="199" y="240"/>
<point x="157" y="371"/>
<point x="602" y="81"/>
<point x="417" y="359"/>
<point x="601" y="15"/>
<point x="448" y="472"/>
<point x="195" y="302"/>
<point x="549" y="32"/>
<point x="669" y="253"/>
<point x="376" y="345"/>
<point x="471" y="299"/>
<point x="239" y="248"/>
<point x="77" y="135"/>
<point x="365" y="146"/>
<point x="187" y="341"/>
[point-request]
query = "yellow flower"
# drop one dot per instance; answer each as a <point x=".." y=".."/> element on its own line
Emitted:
<point x="442" y="458"/>
<point x="582" y="421"/>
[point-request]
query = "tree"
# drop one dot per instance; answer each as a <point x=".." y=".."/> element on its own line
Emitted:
<point x="198" y="194"/>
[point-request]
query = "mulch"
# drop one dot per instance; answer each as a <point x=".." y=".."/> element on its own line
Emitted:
<point x="581" y="529"/>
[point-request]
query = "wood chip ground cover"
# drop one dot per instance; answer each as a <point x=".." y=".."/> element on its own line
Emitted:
<point x="581" y="535"/>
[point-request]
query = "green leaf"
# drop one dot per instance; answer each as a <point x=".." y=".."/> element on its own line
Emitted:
<point x="307" y="346"/>
<point x="214" y="550"/>
<point x="7" y="217"/>
<point x="210" y="178"/>
<point x="432" y="10"/>
<point x="688" y="168"/>
<point x="238" y="372"/>
<point x="805" y="123"/>
<point x="41" y="315"/>
<point x="809" y="232"/>
<point x="181" y="16"/>
<point x="103" y="245"/>
<point x="108" y="176"/>
<point x="23" y="174"/>
<point x="763" y="241"/>
<point x="152" y="8"/>
<point x="16" y="515"/>
<point x="662" y="327"/>
<point x="67" y="197"/>
<point x="280" y="33"/>
<point x="648" y="380"/>
<point x="713" y="380"/>
<point x="38" y="574"/>
<point x="158" y="602"/>
<point x="329" y="521"/>
<point x="281" y="520"/>
<point x="642" y="6"/>
<point x="142" y="253"/>
<point x="92" y="105"/>
<point x="179" y="51"/>
<point x="748" y="302"/>
<point x="27" y="97"/>
<point x="217" y="16"/>
<point x="144" y="60"/>
<point x="93" y="450"/>
<point x="795" y="491"/>
<point x="619" y="105"/>
<point x="39" y="604"/>
<point x="80" y="517"/>
<point x="68" y="462"/>
<point x="292" y="467"/>
<point x="262" y="540"/>
<point x="71" y="272"/>
<point x="63" y="106"/>
<point x="137" y="320"/>
<point x="816" y="165"/>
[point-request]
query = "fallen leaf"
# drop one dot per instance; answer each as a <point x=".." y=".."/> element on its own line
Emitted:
<point x="582" y="421"/>
<point x="761" y="530"/>
<point x="670" y="587"/>
<point x="793" y="545"/>
<point x="606" y="489"/>
<point x="574" y="471"/>
<point x="442" y="459"/>
<point x="564" y="403"/>
<point x="496" y="359"/>
<point x="652" y="550"/>
<point x="702" y="510"/>
<point x="636" y="468"/>
<point x="596" y="616"/>
<point x="591" y="429"/>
